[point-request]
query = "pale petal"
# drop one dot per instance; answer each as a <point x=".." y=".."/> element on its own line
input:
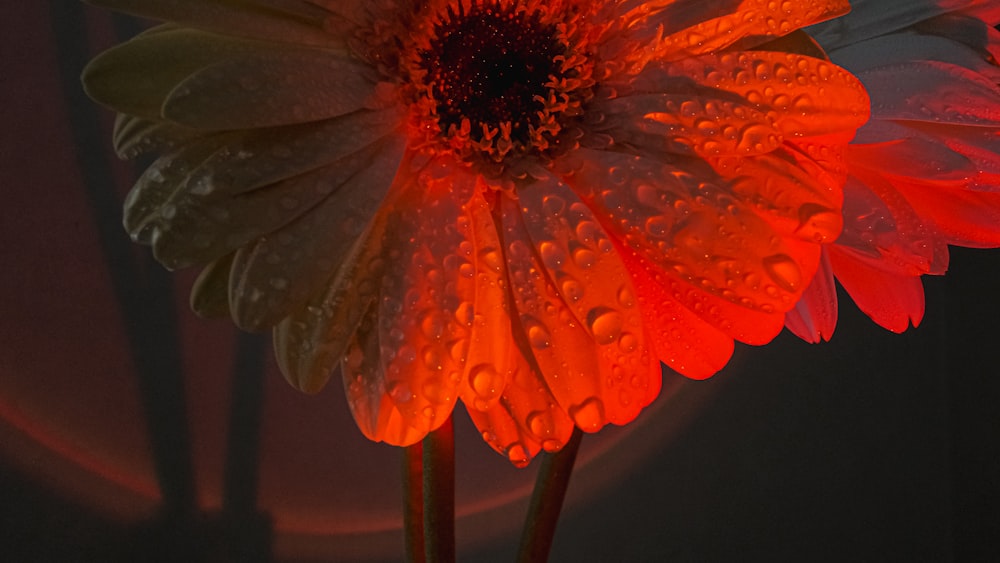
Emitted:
<point x="277" y="273"/>
<point x="427" y="297"/>
<point x="270" y="87"/>
<point x="904" y="47"/>
<point x="288" y="21"/>
<point x="206" y="228"/>
<point x="264" y="157"/>
<point x="872" y="18"/>
<point x="934" y="92"/>
<point x="135" y="136"/>
<point x="121" y="77"/>
<point x="147" y="205"/>
<point x="310" y="342"/>
<point x="880" y="223"/>
<point x="210" y="292"/>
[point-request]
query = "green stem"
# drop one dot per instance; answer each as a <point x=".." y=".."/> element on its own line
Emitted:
<point x="547" y="501"/>
<point x="439" y="494"/>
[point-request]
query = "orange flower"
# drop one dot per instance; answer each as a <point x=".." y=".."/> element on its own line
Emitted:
<point x="527" y="205"/>
<point x="925" y="171"/>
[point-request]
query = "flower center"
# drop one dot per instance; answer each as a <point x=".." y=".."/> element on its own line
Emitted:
<point x="491" y="67"/>
<point x="494" y="80"/>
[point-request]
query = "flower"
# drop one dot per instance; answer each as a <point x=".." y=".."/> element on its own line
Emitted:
<point x="524" y="205"/>
<point x="925" y="170"/>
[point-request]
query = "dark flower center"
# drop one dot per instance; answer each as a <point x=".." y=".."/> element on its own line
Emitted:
<point x="491" y="66"/>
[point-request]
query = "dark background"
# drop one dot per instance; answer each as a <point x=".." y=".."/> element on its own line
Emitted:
<point x="873" y="447"/>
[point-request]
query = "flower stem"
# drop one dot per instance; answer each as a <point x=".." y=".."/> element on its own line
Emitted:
<point x="547" y="501"/>
<point x="439" y="494"/>
<point x="413" y="502"/>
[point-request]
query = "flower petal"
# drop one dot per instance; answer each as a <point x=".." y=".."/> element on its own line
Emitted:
<point x="591" y="351"/>
<point x="694" y="124"/>
<point x="427" y="297"/>
<point x="526" y="418"/>
<point x="206" y="227"/>
<point x="932" y="91"/>
<point x="273" y="20"/>
<point x="364" y="385"/>
<point x="893" y="301"/>
<point x="490" y="361"/>
<point x="872" y="18"/>
<point x="964" y="217"/>
<point x="279" y="272"/>
<point x="716" y="256"/>
<point x="309" y="343"/>
<point x="270" y="87"/>
<point x="120" y="77"/>
<point x="136" y="136"/>
<point x="803" y="96"/>
<point x="682" y="340"/>
<point x="814" y="317"/>
<point x="210" y="292"/>
<point x="695" y="27"/>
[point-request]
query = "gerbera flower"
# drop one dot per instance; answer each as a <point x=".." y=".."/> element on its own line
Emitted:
<point x="526" y="205"/>
<point x="925" y="170"/>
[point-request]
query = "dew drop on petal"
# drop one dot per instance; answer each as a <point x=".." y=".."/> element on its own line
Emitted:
<point x="588" y="415"/>
<point x="538" y="335"/>
<point x="584" y="257"/>
<point x="540" y="424"/>
<point x="605" y="323"/>
<point x="784" y="271"/>
<point x="485" y="381"/>
<point x="517" y="455"/>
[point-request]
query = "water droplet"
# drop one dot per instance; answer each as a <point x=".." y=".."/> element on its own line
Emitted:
<point x="552" y="255"/>
<point x="571" y="289"/>
<point x="541" y="425"/>
<point x="485" y="381"/>
<point x="436" y="391"/>
<point x="399" y="392"/>
<point x="517" y="454"/>
<point x="628" y="342"/>
<point x="538" y="335"/>
<point x="432" y="324"/>
<point x="584" y="257"/>
<point x="432" y="358"/>
<point x="625" y="297"/>
<point x="605" y="323"/>
<point x="588" y="415"/>
<point x="784" y="271"/>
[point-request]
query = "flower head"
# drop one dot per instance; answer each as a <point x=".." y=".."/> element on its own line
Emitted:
<point x="925" y="170"/>
<point x="524" y="205"/>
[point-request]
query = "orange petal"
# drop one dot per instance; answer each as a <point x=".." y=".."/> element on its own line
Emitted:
<point x="682" y="340"/>
<point x="489" y="365"/>
<point x="526" y="419"/>
<point x="814" y="317"/>
<point x="712" y="253"/>
<point x="427" y="296"/>
<point x="804" y="96"/>
<point x="591" y="355"/>
<point x="893" y="301"/>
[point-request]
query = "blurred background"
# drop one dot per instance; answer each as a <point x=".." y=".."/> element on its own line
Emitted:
<point x="132" y="431"/>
